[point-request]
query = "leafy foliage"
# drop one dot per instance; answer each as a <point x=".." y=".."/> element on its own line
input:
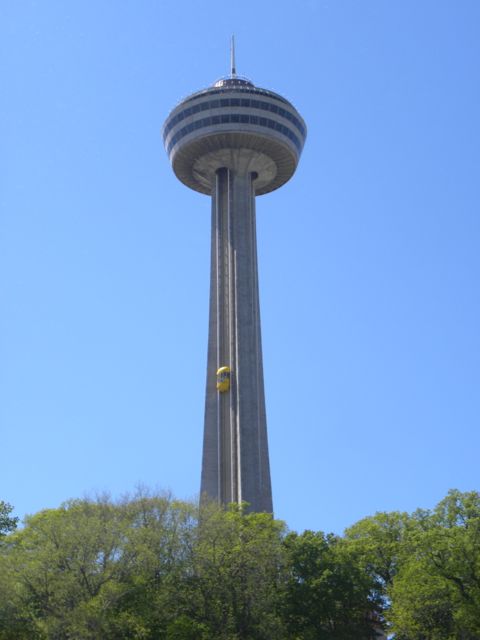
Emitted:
<point x="7" y="522"/>
<point x="437" y="592"/>
<point x="328" y="596"/>
<point x="152" y="568"/>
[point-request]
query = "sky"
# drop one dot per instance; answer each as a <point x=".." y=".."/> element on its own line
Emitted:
<point x="369" y="258"/>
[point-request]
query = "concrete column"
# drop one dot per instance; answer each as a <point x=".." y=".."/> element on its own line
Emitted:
<point x="235" y="464"/>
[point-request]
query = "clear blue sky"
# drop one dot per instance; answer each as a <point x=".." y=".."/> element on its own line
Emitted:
<point x="369" y="257"/>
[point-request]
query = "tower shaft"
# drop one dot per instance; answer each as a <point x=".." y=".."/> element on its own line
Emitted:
<point x="235" y="464"/>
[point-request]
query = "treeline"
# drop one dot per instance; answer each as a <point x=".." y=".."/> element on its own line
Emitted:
<point x="150" y="567"/>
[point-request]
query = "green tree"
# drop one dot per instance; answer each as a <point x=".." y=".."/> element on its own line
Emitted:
<point x="235" y="575"/>
<point x="160" y="538"/>
<point x="87" y="570"/>
<point x="7" y="522"/>
<point x="184" y="628"/>
<point x="152" y="568"/>
<point x="143" y="568"/>
<point x="328" y="595"/>
<point x="379" y="543"/>
<point x="67" y="559"/>
<point x="422" y="604"/>
<point x="436" y="594"/>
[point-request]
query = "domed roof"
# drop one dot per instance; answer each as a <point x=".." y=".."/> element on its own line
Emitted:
<point x="233" y="81"/>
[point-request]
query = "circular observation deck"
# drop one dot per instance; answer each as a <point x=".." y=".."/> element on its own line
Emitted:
<point x="238" y="126"/>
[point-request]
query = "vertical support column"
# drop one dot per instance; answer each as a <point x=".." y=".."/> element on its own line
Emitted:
<point x="255" y="487"/>
<point x="213" y="467"/>
<point x="235" y="464"/>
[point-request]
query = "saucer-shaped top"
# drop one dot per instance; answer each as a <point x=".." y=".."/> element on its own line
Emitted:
<point x="236" y="125"/>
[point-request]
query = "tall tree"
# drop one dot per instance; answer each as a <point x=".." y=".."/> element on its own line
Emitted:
<point x="235" y="574"/>
<point x="437" y="591"/>
<point x="328" y="595"/>
<point x="7" y="522"/>
<point x="85" y="570"/>
<point x="379" y="542"/>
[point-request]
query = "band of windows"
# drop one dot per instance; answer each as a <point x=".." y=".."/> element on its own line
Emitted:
<point x="233" y="102"/>
<point x="247" y="89"/>
<point x="238" y="118"/>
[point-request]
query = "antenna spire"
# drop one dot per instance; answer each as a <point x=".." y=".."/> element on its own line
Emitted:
<point x="233" y="71"/>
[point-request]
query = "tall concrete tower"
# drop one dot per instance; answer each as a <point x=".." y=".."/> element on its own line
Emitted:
<point x="234" y="141"/>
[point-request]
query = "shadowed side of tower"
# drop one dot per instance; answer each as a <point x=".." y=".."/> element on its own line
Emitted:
<point x="235" y="141"/>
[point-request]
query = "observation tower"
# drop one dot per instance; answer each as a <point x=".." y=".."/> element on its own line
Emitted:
<point x="234" y="141"/>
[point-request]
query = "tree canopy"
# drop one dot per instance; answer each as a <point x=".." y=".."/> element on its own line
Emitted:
<point x="151" y="567"/>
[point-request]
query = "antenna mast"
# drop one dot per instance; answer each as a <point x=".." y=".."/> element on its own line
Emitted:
<point x="233" y="71"/>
